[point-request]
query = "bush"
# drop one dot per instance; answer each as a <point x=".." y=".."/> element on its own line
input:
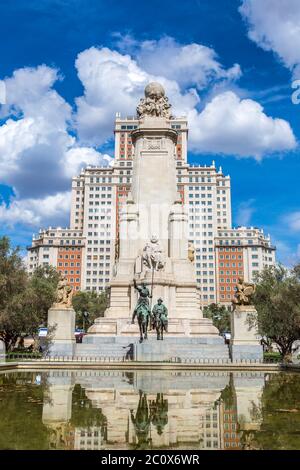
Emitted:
<point x="272" y="357"/>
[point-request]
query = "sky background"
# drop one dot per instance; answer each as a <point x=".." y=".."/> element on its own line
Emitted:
<point x="67" y="66"/>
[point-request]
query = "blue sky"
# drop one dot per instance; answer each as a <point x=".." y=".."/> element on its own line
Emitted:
<point x="69" y="65"/>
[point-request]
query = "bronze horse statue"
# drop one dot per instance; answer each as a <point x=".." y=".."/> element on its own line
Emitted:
<point x="142" y="421"/>
<point x="143" y="314"/>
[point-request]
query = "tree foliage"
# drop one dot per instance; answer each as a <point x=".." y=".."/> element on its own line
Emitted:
<point x="277" y="301"/>
<point x="13" y="280"/>
<point x="279" y="429"/>
<point x="24" y="300"/>
<point x="219" y="315"/>
<point x="91" y="302"/>
<point x="21" y="408"/>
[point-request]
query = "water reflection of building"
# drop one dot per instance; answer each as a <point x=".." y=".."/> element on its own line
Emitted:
<point x="151" y="409"/>
<point x="231" y="434"/>
<point x="88" y="439"/>
<point x="212" y="435"/>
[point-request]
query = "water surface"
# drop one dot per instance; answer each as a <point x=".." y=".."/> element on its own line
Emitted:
<point x="149" y="410"/>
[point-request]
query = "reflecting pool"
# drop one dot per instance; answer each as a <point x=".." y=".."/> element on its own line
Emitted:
<point x="149" y="410"/>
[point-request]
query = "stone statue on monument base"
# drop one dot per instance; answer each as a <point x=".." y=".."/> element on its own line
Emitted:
<point x="152" y="255"/>
<point x="61" y="320"/>
<point x="64" y="294"/>
<point x="244" y="343"/>
<point x="155" y="103"/>
<point x="244" y="292"/>
<point x="142" y="310"/>
<point x="160" y="318"/>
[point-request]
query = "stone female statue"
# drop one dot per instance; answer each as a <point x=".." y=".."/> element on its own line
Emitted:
<point x="64" y="294"/>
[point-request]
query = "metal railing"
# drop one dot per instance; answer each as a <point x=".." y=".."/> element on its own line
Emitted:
<point x="121" y="359"/>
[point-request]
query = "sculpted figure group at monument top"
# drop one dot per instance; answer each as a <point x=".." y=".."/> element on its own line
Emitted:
<point x="155" y="103"/>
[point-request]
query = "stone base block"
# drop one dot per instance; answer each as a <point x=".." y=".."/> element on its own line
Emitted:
<point x="60" y="348"/>
<point x="104" y="326"/>
<point x="2" y="351"/>
<point x="246" y="352"/>
<point x="182" y="348"/>
<point x="61" y="325"/>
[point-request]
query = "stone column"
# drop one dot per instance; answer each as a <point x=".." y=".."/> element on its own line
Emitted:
<point x="2" y="351"/>
<point x="244" y="344"/>
<point x="178" y="229"/>
<point x="129" y="219"/>
<point x="61" y="326"/>
<point x="154" y="185"/>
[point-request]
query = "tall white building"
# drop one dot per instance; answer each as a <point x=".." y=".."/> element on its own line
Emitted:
<point x="98" y="194"/>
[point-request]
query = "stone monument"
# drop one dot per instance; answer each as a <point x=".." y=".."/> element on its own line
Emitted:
<point x="61" y="321"/>
<point x="154" y="246"/>
<point x="244" y="344"/>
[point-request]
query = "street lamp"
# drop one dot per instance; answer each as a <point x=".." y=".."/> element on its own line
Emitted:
<point x="85" y="316"/>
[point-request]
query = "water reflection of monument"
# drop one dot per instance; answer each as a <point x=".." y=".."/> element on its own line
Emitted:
<point x="183" y="410"/>
<point x="154" y="412"/>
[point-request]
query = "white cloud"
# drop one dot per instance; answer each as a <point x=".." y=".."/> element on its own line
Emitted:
<point x="245" y="212"/>
<point x="38" y="155"/>
<point x="228" y="125"/>
<point x="37" y="212"/>
<point x="79" y="157"/>
<point x="29" y="91"/>
<point x="293" y="221"/>
<point x="231" y="125"/>
<point x="274" y="25"/>
<point x="190" y="65"/>
<point x="114" y="83"/>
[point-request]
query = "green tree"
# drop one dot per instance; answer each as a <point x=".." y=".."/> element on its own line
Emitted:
<point x="91" y="302"/>
<point x="24" y="300"/>
<point x="36" y="299"/>
<point x="42" y="286"/>
<point x="84" y="414"/>
<point x="279" y="429"/>
<point x="219" y="315"/>
<point x="277" y="300"/>
<point x="13" y="281"/>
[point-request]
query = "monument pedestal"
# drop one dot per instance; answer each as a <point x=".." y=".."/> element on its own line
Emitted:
<point x="2" y="351"/>
<point x="61" y="325"/>
<point x="244" y="344"/>
<point x="181" y="348"/>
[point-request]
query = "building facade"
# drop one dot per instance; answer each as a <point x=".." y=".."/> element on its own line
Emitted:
<point x="98" y="195"/>
<point x="63" y="249"/>
<point x="240" y="252"/>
